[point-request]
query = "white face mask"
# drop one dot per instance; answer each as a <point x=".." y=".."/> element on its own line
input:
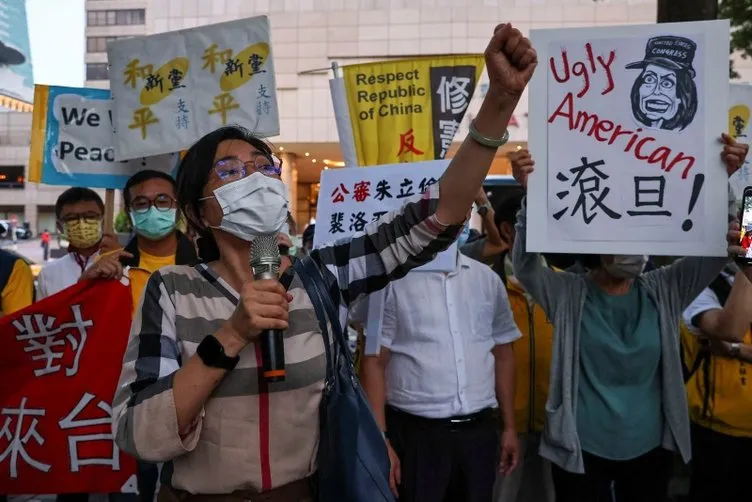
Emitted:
<point x="627" y="266"/>
<point x="252" y="206"/>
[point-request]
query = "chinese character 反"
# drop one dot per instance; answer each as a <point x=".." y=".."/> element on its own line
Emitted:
<point x="589" y="187"/>
<point x="47" y="343"/>
<point x="19" y="436"/>
<point x="335" y="226"/>
<point x="649" y="193"/>
<point x="357" y="221"/>
<point x="406" y="189"/>
<point x="454" y="94"/>
<point x="72" y="421"/>
<point x="407" y="145"/>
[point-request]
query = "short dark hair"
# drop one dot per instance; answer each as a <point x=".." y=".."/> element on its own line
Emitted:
<point x="508" y="206"/>
<point x="193" y="173"/>
<point x="77" y="194"/>
<point x="142" y="176"/>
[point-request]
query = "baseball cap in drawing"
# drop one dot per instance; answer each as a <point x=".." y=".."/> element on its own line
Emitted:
<point x="668" y="51"/>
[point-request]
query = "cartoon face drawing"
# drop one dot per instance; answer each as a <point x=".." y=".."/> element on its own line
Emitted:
<point x="658" y="100"/>
<point x="664" y="95"/>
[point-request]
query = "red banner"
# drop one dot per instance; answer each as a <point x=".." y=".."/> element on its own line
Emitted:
<point x="61" y="360"/>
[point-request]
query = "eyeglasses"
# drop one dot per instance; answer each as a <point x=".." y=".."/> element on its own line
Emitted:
<point x="162" y="202"/>
<point x="87" y="217"/>
<point x="232" y="168"/>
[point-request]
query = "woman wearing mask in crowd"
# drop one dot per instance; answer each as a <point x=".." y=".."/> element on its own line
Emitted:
<point x="190" y="393"/>
<point x="616" y="402"/>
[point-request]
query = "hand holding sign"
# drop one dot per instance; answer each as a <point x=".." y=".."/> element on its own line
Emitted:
<point x="733" y="153"/>
<point x="522" y="165"/>
<point x="511" y="61"/>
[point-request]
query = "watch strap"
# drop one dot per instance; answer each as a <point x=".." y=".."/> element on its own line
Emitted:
<point x="212" y="354"/>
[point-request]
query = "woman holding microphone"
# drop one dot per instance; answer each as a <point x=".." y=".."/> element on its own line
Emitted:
<point x="190" y="393"/>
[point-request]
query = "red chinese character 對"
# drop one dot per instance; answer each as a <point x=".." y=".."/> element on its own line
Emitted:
<point x="362" y="191"/>
<point x="338" y="194"/>
<point x="407" y="144"/>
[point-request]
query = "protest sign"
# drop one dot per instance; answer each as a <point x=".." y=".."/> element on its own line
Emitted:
<point x="409" y="110"/>
<point x="173" y="88"/>
<point x="740" y="104"/>
<point x="349" y="199"/>
<point x="72" y="141"/>
<point x="624" y="131"/>
<point x="61" y="360"/>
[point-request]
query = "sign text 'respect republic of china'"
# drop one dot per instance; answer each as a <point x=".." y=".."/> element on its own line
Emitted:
<point x="388" y="101"/>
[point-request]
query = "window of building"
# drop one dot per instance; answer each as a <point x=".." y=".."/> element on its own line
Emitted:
<point x="12" y="177"/>
<point x="122" y="17"/>
<point x="97" y="71"/>
<point x="99" y="44"/>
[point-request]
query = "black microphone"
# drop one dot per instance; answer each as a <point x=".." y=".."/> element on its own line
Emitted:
<point x="265" y="263"/>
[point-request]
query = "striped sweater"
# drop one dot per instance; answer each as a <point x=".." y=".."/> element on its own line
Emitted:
<point x="252" y="435"/>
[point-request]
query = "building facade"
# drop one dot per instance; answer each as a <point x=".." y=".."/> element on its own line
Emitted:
<point x="309" y="35"/>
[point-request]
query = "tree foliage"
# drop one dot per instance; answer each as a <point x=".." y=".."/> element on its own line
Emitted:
<point x="739" y="12"/>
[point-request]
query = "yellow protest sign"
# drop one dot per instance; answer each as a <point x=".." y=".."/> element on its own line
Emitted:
<point x="409" y="110"/>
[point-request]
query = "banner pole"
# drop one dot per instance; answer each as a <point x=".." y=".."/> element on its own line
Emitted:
<point x="342" y="117"/>
<point x="109" y="211"/>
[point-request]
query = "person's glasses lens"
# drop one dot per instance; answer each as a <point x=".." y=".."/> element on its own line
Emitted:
<point x="163" y="203"/>
<point x="230" y="169"/>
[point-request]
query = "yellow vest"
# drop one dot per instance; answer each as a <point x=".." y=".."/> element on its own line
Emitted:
<point x="727" y="408"/>
<point x="532" y="357"/>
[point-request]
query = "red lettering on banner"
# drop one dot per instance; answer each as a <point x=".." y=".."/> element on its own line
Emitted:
<point x="586" y="70"/>
<point x="60" y="371"/>
<point x="362" y="191"/>
<point x="606" y="131"/>
<point x="338" y="194"/>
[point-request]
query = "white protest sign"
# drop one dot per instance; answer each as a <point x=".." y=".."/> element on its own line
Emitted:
<point x="624" y="131"/>
<point x="173" y="88"/>
<point x="78" y="141"/>
<point x="351" y="198"/>
<point x="740" y="104"/>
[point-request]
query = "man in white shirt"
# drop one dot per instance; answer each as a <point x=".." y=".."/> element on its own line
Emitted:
<point x="79" y="213"/>
<point x="445" y="366"/>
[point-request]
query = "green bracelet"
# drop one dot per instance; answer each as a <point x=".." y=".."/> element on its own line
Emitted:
<point x="485" y="140"/>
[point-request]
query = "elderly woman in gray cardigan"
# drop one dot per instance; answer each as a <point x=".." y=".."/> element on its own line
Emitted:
<point x="616" y="403"/>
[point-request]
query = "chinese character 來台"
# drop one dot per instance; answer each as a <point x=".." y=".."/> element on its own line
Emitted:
<point x="98" y="434"/>
<point x="18" y="436"/>
<point x="589" y="187"/>
<point x="47" y="343"/>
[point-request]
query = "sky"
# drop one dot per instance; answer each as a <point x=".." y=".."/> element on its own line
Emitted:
<point x="57" y="36"/>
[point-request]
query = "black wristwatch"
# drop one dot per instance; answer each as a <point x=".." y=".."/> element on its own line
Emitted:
<point x="212" y="353"/>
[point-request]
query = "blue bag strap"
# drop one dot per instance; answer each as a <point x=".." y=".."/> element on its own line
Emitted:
<point x="314" y="273"/>
<point x="318" y="307"/>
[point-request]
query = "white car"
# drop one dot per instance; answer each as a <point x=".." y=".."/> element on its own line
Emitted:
<point x="22" y="232"/>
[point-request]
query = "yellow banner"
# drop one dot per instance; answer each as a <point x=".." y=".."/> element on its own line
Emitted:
<point x="409" y="110"/>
